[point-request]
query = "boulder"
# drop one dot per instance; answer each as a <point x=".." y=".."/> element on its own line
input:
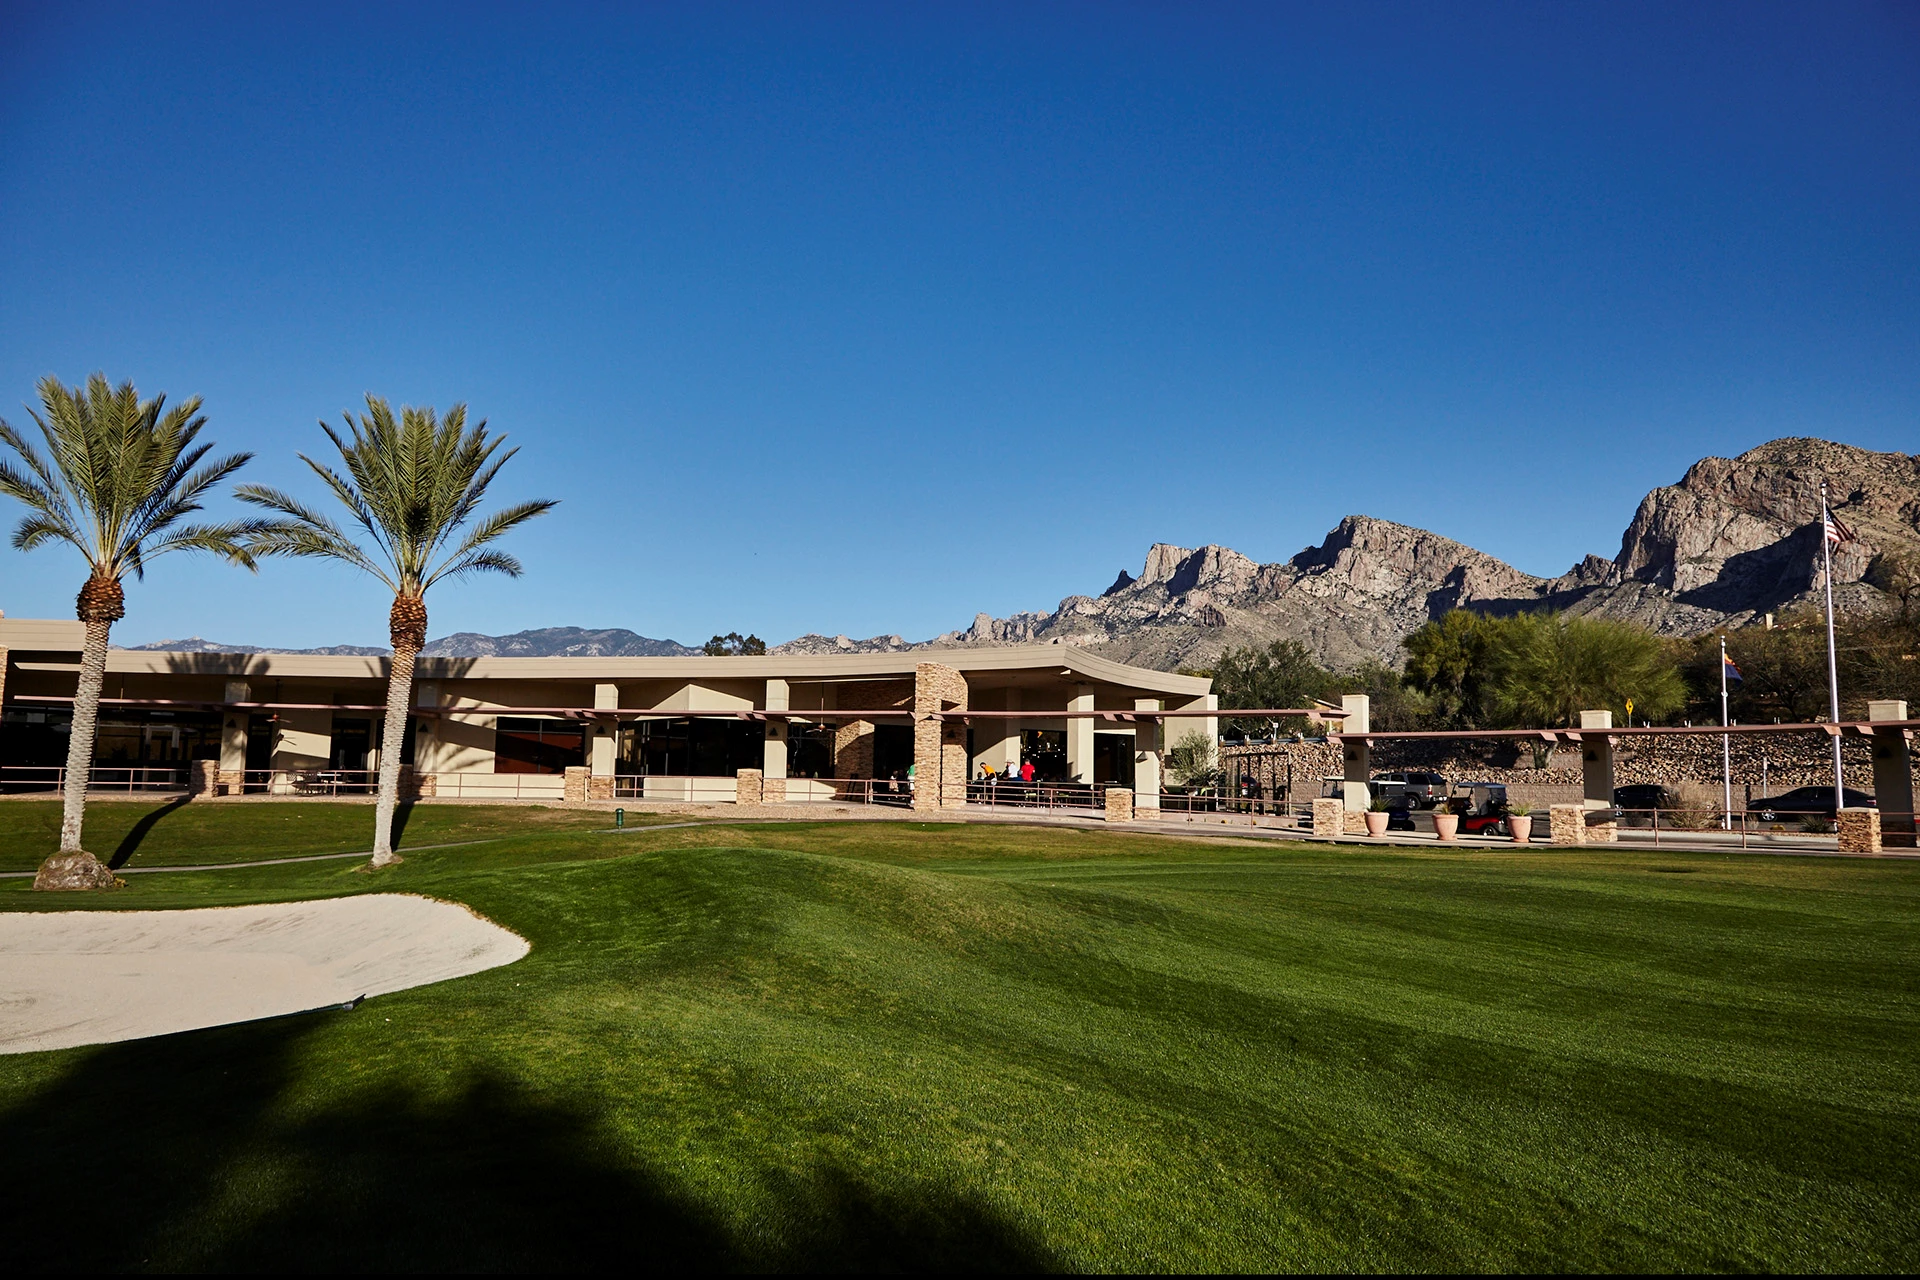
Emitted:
<point x="75" y="871"/>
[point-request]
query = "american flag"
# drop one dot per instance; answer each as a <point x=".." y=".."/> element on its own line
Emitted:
<point x="1837" y="533"/>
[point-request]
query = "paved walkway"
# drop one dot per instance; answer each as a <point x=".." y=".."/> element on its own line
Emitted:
<point x="94" y="977"/>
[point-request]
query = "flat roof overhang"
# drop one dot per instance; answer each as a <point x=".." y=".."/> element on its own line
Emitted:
<point x="1065" y="662"/>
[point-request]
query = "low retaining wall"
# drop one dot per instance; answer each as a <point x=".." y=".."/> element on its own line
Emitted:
<point x="1791" y="760"/>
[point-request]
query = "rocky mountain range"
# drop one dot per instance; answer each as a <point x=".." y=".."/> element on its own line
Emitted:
<point x="1735" y="539"/>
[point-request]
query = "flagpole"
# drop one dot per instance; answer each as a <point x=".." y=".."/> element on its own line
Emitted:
<point x="1726" y="747"/>
<point x="1833" y="667"/>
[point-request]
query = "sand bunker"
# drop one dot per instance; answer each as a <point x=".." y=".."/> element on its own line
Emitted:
<point x="90" y="977"/>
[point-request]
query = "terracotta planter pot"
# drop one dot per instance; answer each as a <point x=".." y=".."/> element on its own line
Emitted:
<point x="1376" y="824"/>
<point x="1446" y="825"/>
<point x="1522" y="824"/>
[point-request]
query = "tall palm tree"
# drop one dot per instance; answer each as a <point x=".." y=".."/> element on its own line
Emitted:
<point x="413" y="485"/>
<point x="119" y="475"/>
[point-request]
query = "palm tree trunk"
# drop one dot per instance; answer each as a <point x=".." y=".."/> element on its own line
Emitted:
<point x="399" y="695"/>
<point x="86" y="721"/>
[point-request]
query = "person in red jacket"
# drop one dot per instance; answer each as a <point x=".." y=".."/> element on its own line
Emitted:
<point x="1026" y="771"/>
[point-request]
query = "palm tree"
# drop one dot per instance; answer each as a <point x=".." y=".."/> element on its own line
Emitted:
<point x="413" y="486"/>
<point x="118" y="476"/>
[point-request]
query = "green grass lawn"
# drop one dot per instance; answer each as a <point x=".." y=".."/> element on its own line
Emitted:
<point x="888" y="1045"/>
<point x="134" y="833"/>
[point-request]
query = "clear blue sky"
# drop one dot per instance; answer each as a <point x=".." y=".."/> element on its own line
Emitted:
<point x="862" y="318"/>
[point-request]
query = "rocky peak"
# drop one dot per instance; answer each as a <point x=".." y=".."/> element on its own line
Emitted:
<point x="1163" y="561"/>
<point x="1741" y="535"/>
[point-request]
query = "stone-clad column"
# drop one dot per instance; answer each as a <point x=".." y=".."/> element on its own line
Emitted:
<point x="853" y="749"/>
<point x="1892" y="776"/>
<point x="939" y="746"/>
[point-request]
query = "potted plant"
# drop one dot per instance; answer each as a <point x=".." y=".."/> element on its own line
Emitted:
<point x="1446" y="823"/>
<point x="1520" y="821"/>
<point x="1377" y="817"/>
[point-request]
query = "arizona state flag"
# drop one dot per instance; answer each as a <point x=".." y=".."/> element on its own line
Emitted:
<point x="1729" y="671"/>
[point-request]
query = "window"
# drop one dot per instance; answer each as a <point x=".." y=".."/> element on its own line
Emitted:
<point x="527" y="745"/>
<point x="690" y="748"/>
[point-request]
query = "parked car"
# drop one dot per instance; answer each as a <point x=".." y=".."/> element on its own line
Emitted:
<point x="1422" y="790"/>
<point x="1633" y="804"/>
<point x="1810" y="801"/>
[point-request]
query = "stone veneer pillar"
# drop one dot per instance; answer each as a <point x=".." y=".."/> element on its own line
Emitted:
<point x="574" y="784"/>
<point x="1327" y="819"/>
<point x="1892" y="775"/>
<point x="1119" y="804"/>
<point x="1567" y="823"/>
<point x="203" y="778"/>
<point x="853" y="749"/>
<point x="939" y="746"/>
<point x="1860" y="831"/>
<point x="748" y="786"/>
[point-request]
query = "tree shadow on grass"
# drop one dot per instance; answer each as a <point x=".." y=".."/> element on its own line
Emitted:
<point x="199" y="1152"/>
<point x="402" y="811"/>
<point x="130" y="843"/>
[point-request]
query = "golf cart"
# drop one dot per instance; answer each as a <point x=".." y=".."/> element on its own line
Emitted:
<point x="1482" y="807"/>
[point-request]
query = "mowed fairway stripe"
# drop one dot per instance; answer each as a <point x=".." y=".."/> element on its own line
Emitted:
<point x="909" y="1046"/>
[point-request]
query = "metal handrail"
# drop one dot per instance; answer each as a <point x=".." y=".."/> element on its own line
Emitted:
<point x="1049" y="796"/>
<point x="53" y="778"/>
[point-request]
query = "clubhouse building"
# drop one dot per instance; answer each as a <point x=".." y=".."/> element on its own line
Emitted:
<point x="698" y="728"/>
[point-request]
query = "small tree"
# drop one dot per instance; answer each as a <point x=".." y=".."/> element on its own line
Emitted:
<point x="1283" y="674"/>
<point x="734" y="645"/>
<point x="1448" y="661"/>
<point x="1546" y="668"/>
<point x="119" y="476"/>
<point x="1190" y="761"/>
<point x="414" y="485"/>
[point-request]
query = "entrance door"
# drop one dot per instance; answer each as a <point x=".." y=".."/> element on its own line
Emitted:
<point x="260" y="743"/>
<point x="892" y="749"/>
<point x="352" y="740"/>
<point x="1113" y="759"/>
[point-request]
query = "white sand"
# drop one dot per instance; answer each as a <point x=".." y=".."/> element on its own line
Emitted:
<point x="92" y="977"/>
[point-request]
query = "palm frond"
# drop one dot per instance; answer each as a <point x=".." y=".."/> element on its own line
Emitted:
<point x="117" y="477"/>
<point x="414" y="482"/>
<point x="479" y="562"/>
<point x="231" y="540"/>
<point x="42" y="527"/>
<point x="44" y="474"/>
<point x="488" y="530"/>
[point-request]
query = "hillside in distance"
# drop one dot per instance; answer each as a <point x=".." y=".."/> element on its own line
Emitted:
<point x="1734" y="539"/>
<point x="544" y="642"/>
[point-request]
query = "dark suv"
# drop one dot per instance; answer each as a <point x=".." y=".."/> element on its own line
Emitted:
<point x="1810" y="801"/>
<point x="1420" y="790"/>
